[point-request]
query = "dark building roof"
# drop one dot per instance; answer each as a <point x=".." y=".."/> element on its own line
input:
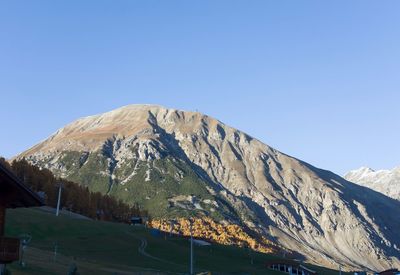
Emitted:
<point x="389" y="272"/>
<point x="13" y="193"/>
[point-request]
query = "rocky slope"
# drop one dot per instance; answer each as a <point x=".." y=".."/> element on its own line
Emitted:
<point x="385" y="181"/>
<point x="179" y="163"/>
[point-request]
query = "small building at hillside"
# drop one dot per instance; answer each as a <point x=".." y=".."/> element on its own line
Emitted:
<point x="136" y="220"/>
<point x="139" y="220"/>
<point x="13" y="194"/>
<point x="289" y="266"/>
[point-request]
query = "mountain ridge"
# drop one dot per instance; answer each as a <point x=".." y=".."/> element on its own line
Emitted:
<point x="178" y="162"/>
<point x="384" y="181"/>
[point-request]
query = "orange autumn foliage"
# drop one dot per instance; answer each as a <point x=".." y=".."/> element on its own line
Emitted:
<point x="207" y="229"/>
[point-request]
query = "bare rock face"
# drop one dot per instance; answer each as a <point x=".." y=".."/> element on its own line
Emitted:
<point x="324" y="217"/>
<point x="384" y="181"/>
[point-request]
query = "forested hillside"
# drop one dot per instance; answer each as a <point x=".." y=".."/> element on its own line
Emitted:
<point x="74" y="197"/>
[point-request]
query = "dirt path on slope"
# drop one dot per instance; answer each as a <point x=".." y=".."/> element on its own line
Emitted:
<point x="142" y="250"/>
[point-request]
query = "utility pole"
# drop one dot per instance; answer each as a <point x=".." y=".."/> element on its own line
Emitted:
<point x="191" y="247"/>
<point x="59" y="199"/>
<point x="25" y="240"/>
<point x="55" y="250"/>
<point x="171" y="225"/>
<point x="340" y="269"/>
<point x="251" y="255"/>
<point x="2" y="229"/>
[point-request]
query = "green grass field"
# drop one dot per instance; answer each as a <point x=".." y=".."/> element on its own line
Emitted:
<point x="110" y="248"/>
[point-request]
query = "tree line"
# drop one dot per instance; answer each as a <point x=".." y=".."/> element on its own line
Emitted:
<point x="74" y="197"/>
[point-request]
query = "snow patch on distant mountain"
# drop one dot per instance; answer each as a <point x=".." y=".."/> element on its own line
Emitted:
<point x="384" y="181"/>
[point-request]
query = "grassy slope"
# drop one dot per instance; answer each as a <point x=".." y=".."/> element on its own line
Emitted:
<point x="110" y="248"/>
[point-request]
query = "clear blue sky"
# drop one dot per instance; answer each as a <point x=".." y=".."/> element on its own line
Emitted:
<point x="319" y="80"/>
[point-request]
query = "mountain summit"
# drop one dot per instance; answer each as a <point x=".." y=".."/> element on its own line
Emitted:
<point x="385" y="181"/>
<point x="178" y="163"/>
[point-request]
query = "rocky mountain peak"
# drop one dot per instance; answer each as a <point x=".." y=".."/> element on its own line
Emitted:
<point x="385" y="181"/>
<point x="160" y="157"/>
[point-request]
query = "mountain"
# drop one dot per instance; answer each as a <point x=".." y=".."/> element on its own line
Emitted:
<point x="384" y="181"/>
<point x="178" y="163"/>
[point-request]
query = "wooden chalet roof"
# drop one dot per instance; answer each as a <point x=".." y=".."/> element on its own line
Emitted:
<point x="13" y="193"/>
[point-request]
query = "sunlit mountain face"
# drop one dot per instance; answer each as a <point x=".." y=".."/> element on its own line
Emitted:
<point x="180" y="164"/>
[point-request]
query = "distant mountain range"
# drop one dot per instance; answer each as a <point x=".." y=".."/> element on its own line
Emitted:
<point x="385" y="181"/>
<point x="178" y="163"/>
